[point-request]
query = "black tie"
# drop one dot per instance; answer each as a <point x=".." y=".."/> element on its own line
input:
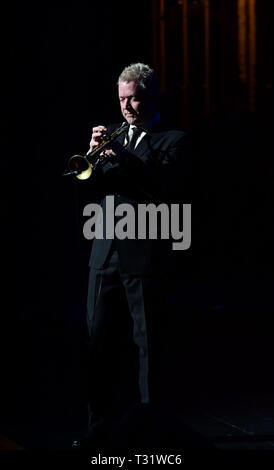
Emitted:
<point x="136" y="133"/>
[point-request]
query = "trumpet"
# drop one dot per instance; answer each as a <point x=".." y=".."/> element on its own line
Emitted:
<point x="82" y="166"/>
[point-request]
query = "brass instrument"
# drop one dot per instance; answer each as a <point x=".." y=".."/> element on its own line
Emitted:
<point x="82" y="166"/>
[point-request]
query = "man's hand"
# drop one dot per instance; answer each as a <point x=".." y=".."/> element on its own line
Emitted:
<point x="114" y="149"/>
<point x="97" y="136"/>
<point x="118" y="149"/>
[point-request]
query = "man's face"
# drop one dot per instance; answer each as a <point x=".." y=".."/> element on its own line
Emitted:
<point x="135" y="104"/>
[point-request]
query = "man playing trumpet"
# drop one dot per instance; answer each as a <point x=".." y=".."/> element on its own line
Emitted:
<point x="128" y="302"/>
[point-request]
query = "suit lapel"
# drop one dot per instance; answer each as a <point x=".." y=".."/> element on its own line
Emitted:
<point x="142" y="147"/>
<point x="147" y="145"/>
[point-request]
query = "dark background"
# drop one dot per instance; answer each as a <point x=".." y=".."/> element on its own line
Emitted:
<point x="59" y="71"/>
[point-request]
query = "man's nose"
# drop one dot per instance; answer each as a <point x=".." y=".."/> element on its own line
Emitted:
<point x="128" y="104"/>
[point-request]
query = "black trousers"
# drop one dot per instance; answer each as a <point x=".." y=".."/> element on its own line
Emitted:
<point x="125" y="316"/>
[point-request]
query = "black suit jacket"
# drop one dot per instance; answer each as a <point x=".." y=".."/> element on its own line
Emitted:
<point x="158" y="171"/>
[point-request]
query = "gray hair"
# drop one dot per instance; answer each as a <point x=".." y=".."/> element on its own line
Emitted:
<point x="141" y="74"/>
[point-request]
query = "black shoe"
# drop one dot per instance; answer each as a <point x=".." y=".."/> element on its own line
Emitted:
<point x="95" y="437"/>
<point x="76" y="444"/>
<point x="81" y="444"/>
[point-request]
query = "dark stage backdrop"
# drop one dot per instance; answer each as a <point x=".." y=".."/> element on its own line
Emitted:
<point x="59" y="71"/>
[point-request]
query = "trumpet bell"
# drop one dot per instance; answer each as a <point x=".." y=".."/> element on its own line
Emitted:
<point x="81" y="165"/>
